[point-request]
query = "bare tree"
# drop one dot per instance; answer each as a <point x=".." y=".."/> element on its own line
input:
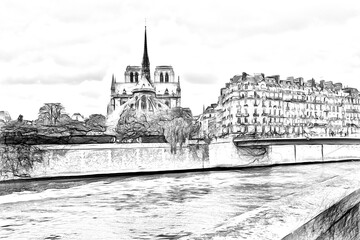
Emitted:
<point x="51" y="113"/>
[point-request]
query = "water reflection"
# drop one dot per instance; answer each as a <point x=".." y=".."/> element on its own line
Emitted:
<point x="148" y="207"/>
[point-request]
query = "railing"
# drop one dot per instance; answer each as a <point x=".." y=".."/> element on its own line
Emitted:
<point x="240" y="114"/>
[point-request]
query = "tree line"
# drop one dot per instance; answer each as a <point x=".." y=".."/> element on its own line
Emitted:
<point x="53" y="126"/>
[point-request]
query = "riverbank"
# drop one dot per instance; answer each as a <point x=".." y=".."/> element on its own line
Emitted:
<point x="256" y="203"/>
<point x="47" y="161"/>
<point x="316" y="210"/>
<point x="339" y="221"/>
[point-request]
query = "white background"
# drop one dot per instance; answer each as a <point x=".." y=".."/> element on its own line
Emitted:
<point x="66" y="51"/>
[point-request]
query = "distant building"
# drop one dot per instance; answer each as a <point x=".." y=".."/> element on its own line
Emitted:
<point x="207" y="120"/>
<point x="266" y="106"/>
<point x="78" y="117"/>
<point x="4" y="116"/>
<point x="166" y="87"/>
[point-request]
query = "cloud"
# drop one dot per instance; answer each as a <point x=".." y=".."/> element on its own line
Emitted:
<point x="199" y="78"/>
<point x="73" y="79"/>
<point x="231" y="22"/>
<point x="66" y="51"/>
<point x="90" y="94"/>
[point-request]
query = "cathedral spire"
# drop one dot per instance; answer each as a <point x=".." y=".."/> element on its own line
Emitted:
<point x="113" y="82"/>
<point x="145" y="62"/>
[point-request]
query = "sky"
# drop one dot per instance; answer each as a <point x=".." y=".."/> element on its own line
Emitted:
<point x="66" y="51"/>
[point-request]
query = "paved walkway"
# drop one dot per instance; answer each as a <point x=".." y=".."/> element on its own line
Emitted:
<point x="278" y="218"/>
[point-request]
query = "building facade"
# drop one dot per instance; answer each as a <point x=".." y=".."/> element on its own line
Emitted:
<point x="4" y="116"/>
<point x="266" y="106"/>
<point x="166" y="86"/>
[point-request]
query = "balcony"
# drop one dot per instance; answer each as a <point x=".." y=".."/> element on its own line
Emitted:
<point x="240" y="114"/>
<point x="352" y="111"/>
<point x="255" y="114"/>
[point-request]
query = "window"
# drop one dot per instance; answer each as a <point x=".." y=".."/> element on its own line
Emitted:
<point x="166" y="77"/>
<point x="143" y="102"/>
<point x="161" y="77"/>
<point x="151" y="108"/>
<point x="136" y="77"/>
<point x="131" y="77"/>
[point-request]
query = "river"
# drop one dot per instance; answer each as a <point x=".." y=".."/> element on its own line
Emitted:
<point x="167" y="206"/>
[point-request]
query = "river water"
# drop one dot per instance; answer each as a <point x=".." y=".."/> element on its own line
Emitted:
<point x="168" y="206"/>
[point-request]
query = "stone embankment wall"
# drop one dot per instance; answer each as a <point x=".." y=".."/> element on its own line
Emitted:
<point x="85" y="159"/>
<point x="340" y="221"/>
<point x="224" y="153"/>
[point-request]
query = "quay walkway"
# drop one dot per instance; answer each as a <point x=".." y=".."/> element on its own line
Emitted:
<point x="244" y="142"/>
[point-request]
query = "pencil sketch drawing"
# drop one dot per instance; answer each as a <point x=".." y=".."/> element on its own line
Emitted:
<point x="209" y="141"/>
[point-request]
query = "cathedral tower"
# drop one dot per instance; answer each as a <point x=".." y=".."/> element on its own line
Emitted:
<point x="137" y="80"/>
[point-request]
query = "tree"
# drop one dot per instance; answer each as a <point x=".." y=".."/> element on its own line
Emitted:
<point x="20" y="118"/>
<point x="96" y="122"/>
<point x="175" y="124"/>
<point x="64" y="118"/>
<point x="179" y="128"/>
<point x="50" y="113"/>
<point x="133" y="124"/>
<point x="18" y="160"/>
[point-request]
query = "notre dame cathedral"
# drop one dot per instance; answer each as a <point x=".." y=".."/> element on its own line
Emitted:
<point x="167" y="88"/>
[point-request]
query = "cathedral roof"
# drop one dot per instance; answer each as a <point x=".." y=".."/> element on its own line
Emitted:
<point x="143" y="85"/>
